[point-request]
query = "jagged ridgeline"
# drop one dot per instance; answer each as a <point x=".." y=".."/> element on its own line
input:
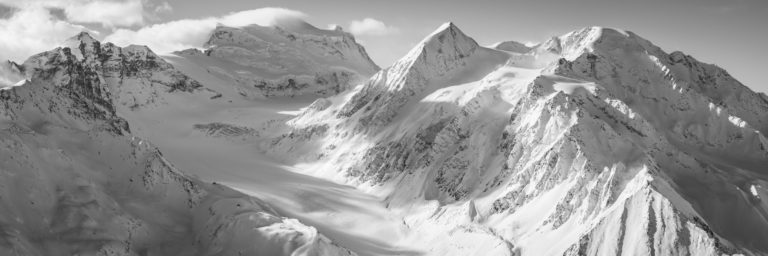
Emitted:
<point x="74" y="180"/>
<point x="596" y="142"/>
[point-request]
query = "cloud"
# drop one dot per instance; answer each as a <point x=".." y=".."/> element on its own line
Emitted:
<point x="189" y="33"/>
<point x="268" y="16"/>
<point x="155" y="11"/>
<point x="166" y="37"/>
<point x="164" y="7"/>
<point x="108" y="13"/>
<point x="371" y="27"/>
<point x="332" y="26"/>
<point x="32" y="30"/>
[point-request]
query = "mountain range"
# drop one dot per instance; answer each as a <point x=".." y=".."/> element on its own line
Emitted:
<point x="289" y="140"/>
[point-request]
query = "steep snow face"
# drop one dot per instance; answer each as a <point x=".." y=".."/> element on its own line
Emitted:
<point x="446" y="56"/>
<point x="76" y="182"/>
<point x="595" y="142"/>
<point x="290" y="58"/>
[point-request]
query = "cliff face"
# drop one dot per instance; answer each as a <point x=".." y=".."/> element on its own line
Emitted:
<point x="595" y="142"/>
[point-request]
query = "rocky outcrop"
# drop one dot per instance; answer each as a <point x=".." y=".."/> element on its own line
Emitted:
<point x="133" y="76"/>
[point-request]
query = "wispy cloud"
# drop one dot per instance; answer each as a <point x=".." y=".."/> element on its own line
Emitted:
<point x="163" y="7"/>
<point x="107" y="13"/>
<point x="33" y="26"/>
<point x="32" y="30"/>
<point x="262" y="16"/>
<point x="188" y="33"/>
<point x="41" y="25"/>
<point x="371" y="27"/>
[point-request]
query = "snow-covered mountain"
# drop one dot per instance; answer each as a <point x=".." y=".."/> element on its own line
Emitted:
<point x="596" y="142"/>
<point x="76" y="181"/>
<point x="289" y="58"/>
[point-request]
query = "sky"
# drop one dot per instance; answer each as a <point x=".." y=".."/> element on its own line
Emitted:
<point x="731" y="34"/>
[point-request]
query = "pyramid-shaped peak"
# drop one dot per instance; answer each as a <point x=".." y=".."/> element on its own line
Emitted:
<point x="84" y="37"/>
<point x="446" y="32"/>
<point x="83" y="45"/>
<point x="447" y="41"/>
<point x="446" y="49"/>
<point x="446" y="26"/>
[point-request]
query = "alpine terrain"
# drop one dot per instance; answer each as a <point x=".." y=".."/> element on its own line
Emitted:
<point x="77" y="181"/>
<point x="596" y="142"/>
<point x="289" y="140"/>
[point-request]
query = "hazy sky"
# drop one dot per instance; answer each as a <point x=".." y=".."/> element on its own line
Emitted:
<point x="732" y="34"/>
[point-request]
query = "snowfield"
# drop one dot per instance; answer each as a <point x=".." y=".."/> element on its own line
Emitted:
<point x="289" y="140"/>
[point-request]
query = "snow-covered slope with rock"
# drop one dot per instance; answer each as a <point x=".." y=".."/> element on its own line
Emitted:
<point x="289" y="58"/>
<point x="596" y="142"/>
<point x="75" y="180"/>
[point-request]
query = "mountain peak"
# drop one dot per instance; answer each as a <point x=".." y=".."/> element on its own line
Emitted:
<point x="83" y="44"/>
<point x="446" y="26"/>
<point x="446" y="44"/>
<point x="447" y="31"/>
<point x="321" y="61"/>
<point x="81" y="38"/>
<point x="596" y="38"/>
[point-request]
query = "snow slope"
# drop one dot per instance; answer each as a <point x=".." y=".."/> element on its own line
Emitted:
<point x="511" y="46"/>
<point x="76" y="181"/>
<point x="596" y="142"/>
<point x="290" y="58"/>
